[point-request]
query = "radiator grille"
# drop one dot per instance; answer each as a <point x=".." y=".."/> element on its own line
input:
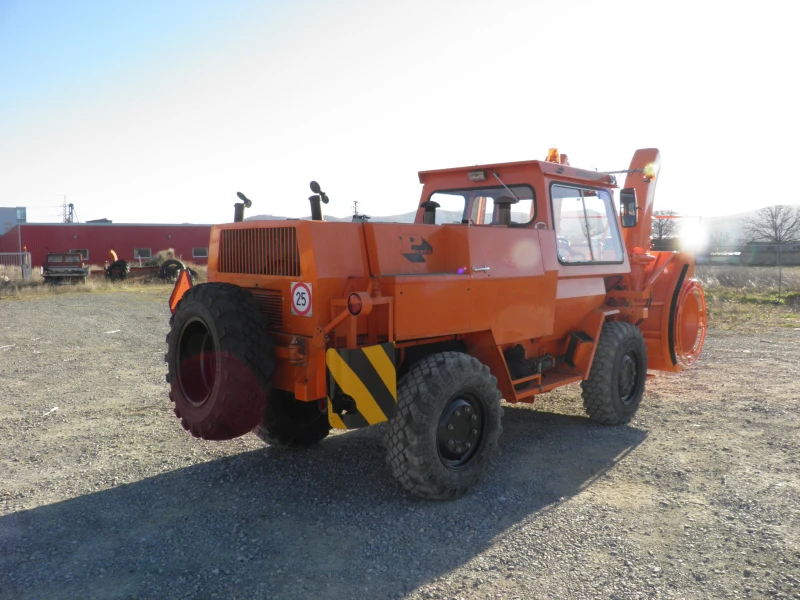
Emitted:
<point x="271" y="304"/>
<point x="260" y="251"/>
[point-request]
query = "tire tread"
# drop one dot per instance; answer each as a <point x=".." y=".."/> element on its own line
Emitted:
<point x="410" y="457"/>
<point x="243" y="334"/>
<point x="598" y="389"/>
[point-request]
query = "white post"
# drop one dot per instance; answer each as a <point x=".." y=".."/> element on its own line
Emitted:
<point x="25" y="259"/>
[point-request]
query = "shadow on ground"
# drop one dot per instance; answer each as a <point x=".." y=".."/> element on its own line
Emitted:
<point x="323" y="523"/>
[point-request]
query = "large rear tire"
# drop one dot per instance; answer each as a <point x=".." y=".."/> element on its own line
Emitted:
<point x="220" y="361"/>
<point x="613" y="392"/>
<point x="442" y="438"/>
<point x="292" y="423"/>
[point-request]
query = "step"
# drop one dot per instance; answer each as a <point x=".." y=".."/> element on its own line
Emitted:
<point x="558" y="377"/>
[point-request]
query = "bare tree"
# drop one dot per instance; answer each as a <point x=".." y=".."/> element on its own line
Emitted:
<point x="664" y="228"/>
<point x="776" y="224"/>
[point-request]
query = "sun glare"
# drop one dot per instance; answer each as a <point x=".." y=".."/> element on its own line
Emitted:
<point x="693" y="233"/>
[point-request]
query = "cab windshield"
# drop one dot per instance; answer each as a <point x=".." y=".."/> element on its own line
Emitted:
<point x="486" y="206"/>
<point x="586" y="225"/>
<point x="63" y="258"/>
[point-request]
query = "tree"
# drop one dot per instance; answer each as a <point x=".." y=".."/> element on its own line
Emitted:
<point x="775" y="224"/>
<point x="664" y="228"/>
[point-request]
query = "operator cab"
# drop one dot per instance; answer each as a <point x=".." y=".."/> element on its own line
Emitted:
<point x="576" y="204"/>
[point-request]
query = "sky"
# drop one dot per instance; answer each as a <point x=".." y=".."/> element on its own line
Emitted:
<point x="161" y="111"/>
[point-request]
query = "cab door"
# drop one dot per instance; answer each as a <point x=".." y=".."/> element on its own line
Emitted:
<point x="589" y="248"/>
<point x="511" y="292"/>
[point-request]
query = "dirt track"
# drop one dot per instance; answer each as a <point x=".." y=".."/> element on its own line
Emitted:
<point x="107" y="497"/>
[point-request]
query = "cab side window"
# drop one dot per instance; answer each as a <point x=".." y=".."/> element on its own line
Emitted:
<point x="586" y="225"/>
<point x="496" y="205"/>
<point x="504" y="209"/>
<point x="452" y="205"/>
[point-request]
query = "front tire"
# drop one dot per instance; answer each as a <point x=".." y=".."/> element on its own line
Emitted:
<point x="442" y="438"/>
<point x="220" y="361"/>
<point x="613" y="392"/>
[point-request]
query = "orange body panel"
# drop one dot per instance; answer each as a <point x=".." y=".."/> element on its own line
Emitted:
<point x="489" y="287"/>
<point x="332" y="258"/>
<point x="446" y="295"/>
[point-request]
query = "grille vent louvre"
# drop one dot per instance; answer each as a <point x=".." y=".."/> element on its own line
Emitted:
<point x="271" y="304"/>
<point x="260" y="251"/>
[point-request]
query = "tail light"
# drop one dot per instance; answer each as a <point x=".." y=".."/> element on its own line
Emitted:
<point x="359" y="303"/>
<point x="354" y="304"/>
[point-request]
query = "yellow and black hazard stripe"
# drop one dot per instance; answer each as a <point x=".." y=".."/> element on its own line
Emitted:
<point x="367" y="375"/>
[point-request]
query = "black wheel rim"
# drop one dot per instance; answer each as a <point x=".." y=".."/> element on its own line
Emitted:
<point x="628" y="377"/>
<point x="460" y="431"/>
<point x="197" y="362"/>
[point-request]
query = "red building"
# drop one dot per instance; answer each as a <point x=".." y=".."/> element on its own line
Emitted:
<point x="131" y="242"/>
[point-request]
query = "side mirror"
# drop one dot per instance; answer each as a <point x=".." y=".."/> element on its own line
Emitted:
<point x="627" y="207"/>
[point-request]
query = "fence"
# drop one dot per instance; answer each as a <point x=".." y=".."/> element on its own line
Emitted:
<point x="15" y="266"/>
<point x="754" y="255"/>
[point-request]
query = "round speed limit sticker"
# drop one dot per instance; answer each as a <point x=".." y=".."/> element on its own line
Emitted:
<point x="301" y="299"/>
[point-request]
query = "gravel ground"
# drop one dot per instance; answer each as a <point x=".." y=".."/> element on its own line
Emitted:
<point x="106" y="496"/>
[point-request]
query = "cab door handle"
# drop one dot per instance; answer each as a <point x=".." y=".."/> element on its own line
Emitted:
<point x="481" y="269"/>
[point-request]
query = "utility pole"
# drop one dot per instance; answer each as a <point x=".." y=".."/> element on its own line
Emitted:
<point x="67" y="211"/>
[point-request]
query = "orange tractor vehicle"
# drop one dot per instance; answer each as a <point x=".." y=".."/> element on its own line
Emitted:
<point x="513" y="280"/>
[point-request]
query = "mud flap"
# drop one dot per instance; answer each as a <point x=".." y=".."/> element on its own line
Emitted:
<point x="182" y="285"/>
<point x="362" y="386"/>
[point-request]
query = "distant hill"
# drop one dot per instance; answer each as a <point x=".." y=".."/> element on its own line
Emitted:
<point x="728" y="226"/>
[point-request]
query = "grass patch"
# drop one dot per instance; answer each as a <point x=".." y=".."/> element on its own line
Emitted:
<point x="747" y="298"/>
<point x="750" y="296"/>
<point x="12" y="286"/>
<point x="11" y="273"/>
<point x="749" y="278"/>
<point x="32" y="290"/>
<point x="750" y="317"/>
